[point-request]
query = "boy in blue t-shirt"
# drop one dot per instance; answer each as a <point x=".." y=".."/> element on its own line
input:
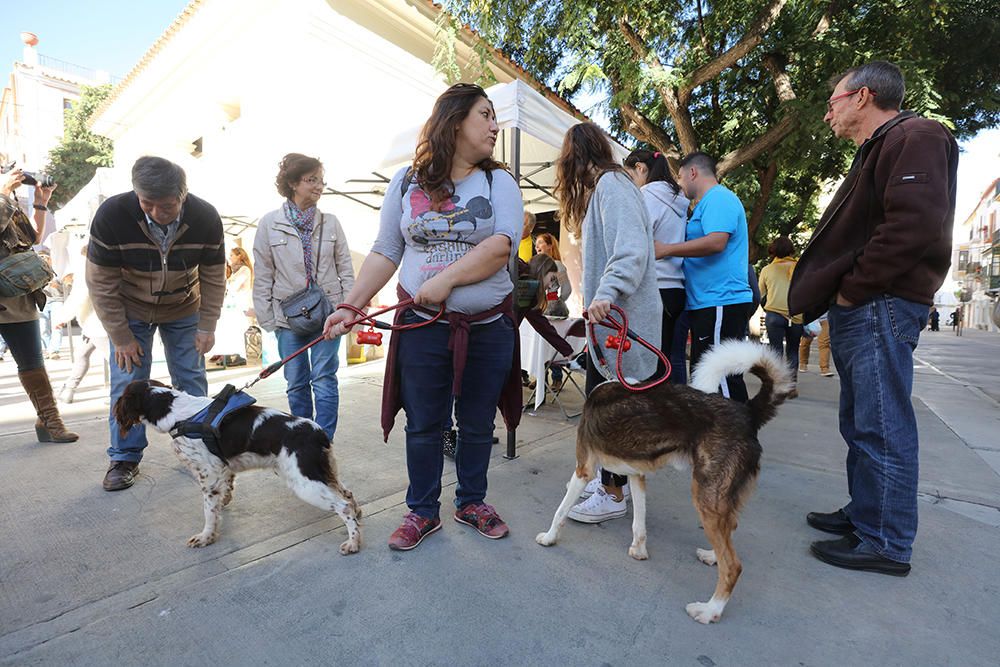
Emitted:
<point x="716" y="254"/>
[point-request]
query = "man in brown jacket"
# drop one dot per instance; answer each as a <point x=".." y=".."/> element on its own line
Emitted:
<point x="880" y="252"/>
<point x="156" y="262"/>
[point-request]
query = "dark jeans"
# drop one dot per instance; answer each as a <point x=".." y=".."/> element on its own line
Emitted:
<point x="872" y="347"/>
<point x="678" y="353"/>
<point x="710" y="326"/>
<point x="595" y="378"/>
<point x="25" y="342"/>
<point x="673" y="307"/>
<point x="783" y="337"/>
<point x="425" y="371"/>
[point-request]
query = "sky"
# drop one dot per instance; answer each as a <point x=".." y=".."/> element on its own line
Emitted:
<point x="109" y="35"/>
<point x="112" y="35"/>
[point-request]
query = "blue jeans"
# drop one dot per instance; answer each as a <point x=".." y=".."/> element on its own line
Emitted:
<point x="25" y="344"/>
<point x="783" y="337"/>
<point x="425" y="372"/>
<point x="872" y="347"/>
<point x="187" y="373"/>
<point x="51" y="335"/>
<point x="310" y="375"/>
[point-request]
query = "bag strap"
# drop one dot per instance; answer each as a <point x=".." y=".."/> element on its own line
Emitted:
<point x="319" y="248"/>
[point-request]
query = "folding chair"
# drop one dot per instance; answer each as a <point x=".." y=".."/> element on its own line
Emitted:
<point x="576" y="336"/>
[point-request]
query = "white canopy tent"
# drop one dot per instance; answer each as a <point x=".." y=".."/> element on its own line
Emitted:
<point x="532" y="130"/>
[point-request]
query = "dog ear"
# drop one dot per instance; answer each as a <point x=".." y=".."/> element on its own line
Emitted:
<point x="128" y="407"/>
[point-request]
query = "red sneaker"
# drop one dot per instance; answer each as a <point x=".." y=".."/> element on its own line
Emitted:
<point x="412" y="531"/>
<point x="483" y="518"/>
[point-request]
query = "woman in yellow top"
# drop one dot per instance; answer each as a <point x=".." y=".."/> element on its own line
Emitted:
<point x="783" y="332"/>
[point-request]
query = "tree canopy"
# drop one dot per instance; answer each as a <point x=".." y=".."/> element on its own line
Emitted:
<point x="747" y="80"/>
<point x="73" y="162"/>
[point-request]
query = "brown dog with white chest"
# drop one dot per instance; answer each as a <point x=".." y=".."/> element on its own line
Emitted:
<point x="635" y="433"/>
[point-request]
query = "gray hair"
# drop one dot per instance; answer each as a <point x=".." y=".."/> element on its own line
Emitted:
<point x="882" y="78"/>
<point x="157" y="178"/>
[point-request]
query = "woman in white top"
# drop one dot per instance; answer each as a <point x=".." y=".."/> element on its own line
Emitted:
<point x="230" y="338"/>
<point x="667" y="207"/>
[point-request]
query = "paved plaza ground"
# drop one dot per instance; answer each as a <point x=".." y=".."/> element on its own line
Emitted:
<point x="95" y="578"/>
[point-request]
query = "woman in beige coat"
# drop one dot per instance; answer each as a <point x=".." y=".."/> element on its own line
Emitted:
<point x="19" y="314"/>
<point x="295" y="245"/>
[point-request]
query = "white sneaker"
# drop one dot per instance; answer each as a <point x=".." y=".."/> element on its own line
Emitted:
<point x="599" y="507"/>
<point x="66" y="395"/>
<point x="595" y="484"/>
<point x="827" y="374"/>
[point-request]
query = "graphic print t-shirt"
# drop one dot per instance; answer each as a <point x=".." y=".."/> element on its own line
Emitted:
<point x="422" y="242"/>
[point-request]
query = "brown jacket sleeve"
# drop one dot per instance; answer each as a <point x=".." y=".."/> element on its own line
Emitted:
<point x="913" y="176"/>
<point x="104" y="284"/>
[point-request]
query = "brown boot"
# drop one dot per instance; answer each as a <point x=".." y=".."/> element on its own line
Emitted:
<point x="49" y="427"/>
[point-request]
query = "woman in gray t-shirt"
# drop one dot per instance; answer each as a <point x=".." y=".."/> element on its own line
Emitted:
<point x="449" y="224"/>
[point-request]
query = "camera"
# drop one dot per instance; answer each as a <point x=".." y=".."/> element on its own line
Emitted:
<point x="31" y="177"/>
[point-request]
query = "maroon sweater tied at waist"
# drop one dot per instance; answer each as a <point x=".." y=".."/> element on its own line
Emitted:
<point x="458" y="343"/>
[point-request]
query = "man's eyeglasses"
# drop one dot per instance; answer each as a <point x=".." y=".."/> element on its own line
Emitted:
<point x="829" y="102"/>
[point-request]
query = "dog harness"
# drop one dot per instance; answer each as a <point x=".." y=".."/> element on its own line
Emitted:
<point x="205" y="423"/>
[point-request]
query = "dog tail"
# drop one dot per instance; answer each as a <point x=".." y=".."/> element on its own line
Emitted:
<point x="735" y="357"/>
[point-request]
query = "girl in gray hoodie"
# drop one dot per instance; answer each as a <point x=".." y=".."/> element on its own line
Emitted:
<point x="600" y="205"/>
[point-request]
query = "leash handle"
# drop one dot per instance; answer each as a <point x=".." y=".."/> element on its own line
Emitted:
<point x="362" y="317"/>
<point x="624" y="333"/>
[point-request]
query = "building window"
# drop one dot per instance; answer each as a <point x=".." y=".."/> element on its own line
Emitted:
<point x="67" y="104"/>
<point x="197" y="147"/>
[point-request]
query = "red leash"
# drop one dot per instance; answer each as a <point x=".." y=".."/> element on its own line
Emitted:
<point x="622" y="344"/>
<point x="371" y="334"/>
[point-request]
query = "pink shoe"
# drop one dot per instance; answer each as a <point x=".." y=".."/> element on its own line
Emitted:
<point x="483" y="518"/>
<point x="412" y="531"/>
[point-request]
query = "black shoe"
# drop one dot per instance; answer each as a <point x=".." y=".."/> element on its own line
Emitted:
<point x="834" y="522"/>
<point x="120" y="475"/>
<point x="496" y="440"/>
<point x="450" y="443"/>
<point x="851" y="553"/>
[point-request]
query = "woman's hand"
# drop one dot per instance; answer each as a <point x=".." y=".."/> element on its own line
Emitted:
<point x="44" y="193"/>
<point x="336" y="324"/>
<point x="434" y="292"/>
<point x="14" y="179"/>
<point x="598" y="310"/>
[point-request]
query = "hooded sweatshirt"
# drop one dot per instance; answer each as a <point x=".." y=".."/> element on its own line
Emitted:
<point x="668" y="211"/>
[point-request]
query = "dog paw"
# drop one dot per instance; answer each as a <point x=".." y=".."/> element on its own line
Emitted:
<point x="545" y="540"/>
<point x="350" y="547"/>
<point x="200" y="540"/>
<point x="706" y="556"/>
<point x="638" y="552"/>
<point x="704" y="612"/>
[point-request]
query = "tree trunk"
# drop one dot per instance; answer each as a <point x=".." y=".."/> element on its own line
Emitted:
<point x="766" y="178"/>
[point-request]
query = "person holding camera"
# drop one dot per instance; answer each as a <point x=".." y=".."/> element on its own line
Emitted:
<point x="156" y="261"/>
<point x="19" y="312"/>
<point x="300" y="245"/>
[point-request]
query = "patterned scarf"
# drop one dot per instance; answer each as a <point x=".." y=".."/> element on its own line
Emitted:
<point x="302" y="221"/>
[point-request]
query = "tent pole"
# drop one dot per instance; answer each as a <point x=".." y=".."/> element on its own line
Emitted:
<point x="516" y="155"/>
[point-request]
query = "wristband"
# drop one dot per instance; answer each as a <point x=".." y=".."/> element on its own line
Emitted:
<point x="41" y="207"/>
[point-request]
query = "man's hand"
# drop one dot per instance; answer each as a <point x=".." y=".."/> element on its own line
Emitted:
<point x="204" y="342"/>
<point x="14" y="179"/>
<point x="842" y="302"/>
<point x="598" y="310"/>
<point x="434" y="292"/>
<point x="128" y="355"/>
